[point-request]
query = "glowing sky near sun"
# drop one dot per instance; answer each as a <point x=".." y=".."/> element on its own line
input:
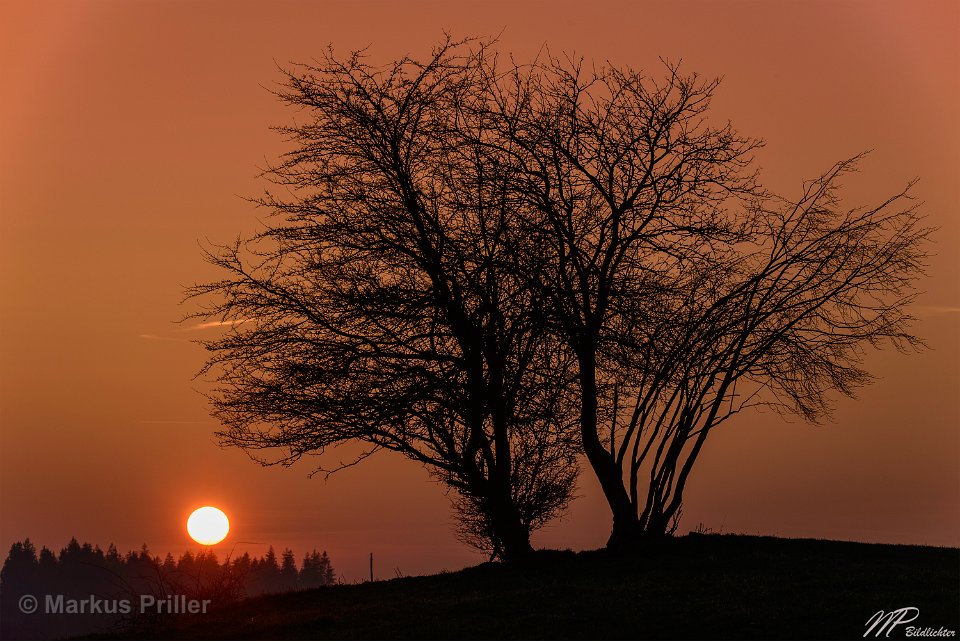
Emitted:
<point x="128" y="131"/>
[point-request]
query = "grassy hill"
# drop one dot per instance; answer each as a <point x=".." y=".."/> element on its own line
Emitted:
<point x="693" y="587"/>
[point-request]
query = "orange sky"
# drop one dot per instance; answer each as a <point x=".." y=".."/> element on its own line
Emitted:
<point x="128" y="131"/>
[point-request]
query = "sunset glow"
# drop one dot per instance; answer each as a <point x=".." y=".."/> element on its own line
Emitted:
<point x="139" y="130"/>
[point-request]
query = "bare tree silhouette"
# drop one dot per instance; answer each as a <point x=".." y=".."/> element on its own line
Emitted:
<point x="384" y="303"/>
<point x="487" y="265"/>
<point x="781" y="320"/>
<point x="683" y="289"/>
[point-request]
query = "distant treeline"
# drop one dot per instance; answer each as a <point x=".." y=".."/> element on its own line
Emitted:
<point x="87" y="572"/>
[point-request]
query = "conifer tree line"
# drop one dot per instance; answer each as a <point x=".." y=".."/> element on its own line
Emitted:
<point x="196" y="572"/>
<point x="81" y="570"/>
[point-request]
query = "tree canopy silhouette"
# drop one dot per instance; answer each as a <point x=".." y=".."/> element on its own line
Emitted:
<point x="384" y="303"/>
<point x="684" y="289"/>
<point x="487" y="265"/>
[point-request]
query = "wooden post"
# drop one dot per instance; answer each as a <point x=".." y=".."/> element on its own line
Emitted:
<point x="371" y="567"/>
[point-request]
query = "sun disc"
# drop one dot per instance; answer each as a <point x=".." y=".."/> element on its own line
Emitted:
<point x="208" y="525"/>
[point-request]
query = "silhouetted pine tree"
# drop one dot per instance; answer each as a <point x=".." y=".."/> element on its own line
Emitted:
<point x="316" y="571"/>
<point x="288" y="571"/>
<point x="266" y="577"/>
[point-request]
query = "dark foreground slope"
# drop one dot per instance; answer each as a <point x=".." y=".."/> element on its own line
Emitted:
<point x="694" y="587"/>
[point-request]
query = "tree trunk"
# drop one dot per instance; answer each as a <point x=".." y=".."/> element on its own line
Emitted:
<point x="516" y="544"/>
<point x="657" y="524"/>
<point x="509" y="531"/>
<point x="625" y="524"/>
